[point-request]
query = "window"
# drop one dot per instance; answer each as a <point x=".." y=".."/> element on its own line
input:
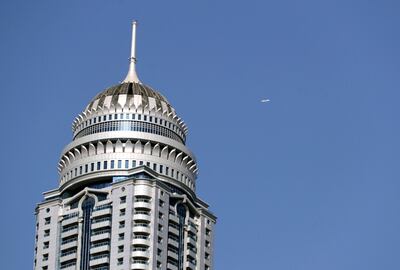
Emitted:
<point x="112" y="164"/>
<point x="139" y="117"/>
<point x="46" y="245"/>
<point x="92" y="167"/>
<point x="119" y="164"/>
<point x="115" y="116"/>
<point x="122" y="199"/>
<point x="121" y="224"/>
<point x="145" y="117"/>
<point x="99" y="119"/>
<point x="80" y="169"/>
<point x="208" y="232"/>
<point x="161" y="203"/>
<point x="155" y="120"/>
<point x="105" y="165"/>
<point x="166" y="170"/>
<point x="120" y="260"/>
<point x="160" y="121"/>
<point x="133" y="163"/>
<point x="207" y="244"/>
<point x="133" y="116"/>
<point x="160" y="215"/>
<point x="122" y="212"/>
<point x="148" y="164"/>
<point x="172" y="172"/>
<point x="110" y="117"/>
<point x="86" y="168"/>
<point x="45" y="257"/>
<point x="140" y="162"/>
<point x="154" y="167"/>
<point x="159" y="240"/>
<point x="94" y="120"/>
<point x="121" y="116"/>
<point x="47" y="232"/>
<point x="104" y="118"/>
<point x="161" y="168"/>
<point x="127" y="116"/>
<point x="47" y="220"/>
<point x="76" y="171"/>
<point x="151" y="118"/>
<point x="159" y="252"/>
<point x="120" y="249"/>
<point x="160" y="227"/>
<point x="98" y="165"/>
<point x="126" y="164"/>
<point x="121" y="236"/>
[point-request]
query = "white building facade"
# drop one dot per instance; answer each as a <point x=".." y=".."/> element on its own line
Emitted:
<point x="126" y="198"/>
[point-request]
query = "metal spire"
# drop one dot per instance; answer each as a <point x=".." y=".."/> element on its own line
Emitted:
<point x="132" y="76"/>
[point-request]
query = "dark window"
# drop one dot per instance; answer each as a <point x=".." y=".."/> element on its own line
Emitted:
<point x="105" y="165"/>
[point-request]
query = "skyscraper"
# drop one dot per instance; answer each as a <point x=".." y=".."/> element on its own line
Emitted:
<point x="126" y="197"/>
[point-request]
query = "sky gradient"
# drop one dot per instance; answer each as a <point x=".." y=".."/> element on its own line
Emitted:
<point x="307" y="181"/>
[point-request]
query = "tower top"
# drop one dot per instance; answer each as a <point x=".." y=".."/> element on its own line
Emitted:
<point x="132" y="76"/>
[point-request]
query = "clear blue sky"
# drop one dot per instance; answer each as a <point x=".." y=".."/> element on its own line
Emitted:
<point x="309" y="181"/>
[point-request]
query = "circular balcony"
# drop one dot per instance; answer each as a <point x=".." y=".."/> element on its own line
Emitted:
<point x="141" y="241"/>
<point x="141" y="229"/>
<point x="140" y="253"/>
<point x="142" y="204"/>
<point x="142" y="216"/>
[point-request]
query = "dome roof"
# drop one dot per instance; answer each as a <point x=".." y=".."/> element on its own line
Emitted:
<point x="112" y="94"/>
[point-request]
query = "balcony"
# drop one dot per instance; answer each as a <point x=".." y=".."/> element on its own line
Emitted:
<point x="68" y="257"/>
<point x="141" y="241"/>
<point x="174" y="218"/>
<point x="172" y="254"/>
<point x="172" y="266"/>
<point x="189" y="264"/>
<point x="69" y="221"/>
<point x="142" y="216"/>
<point x="101" y="236"/>
<point x="69" y="266"/>
<point x="173" y="230"/>
<point x="191" y="241"/>
<point x="68" y="245"/>
<point x="192" y="228"/>
<point x="101" y="224"/>
<point x="173" y="242"/>
<point x="141" y="229"/>
<point x="102" y="212"/>
<point x="191" y="253"/>
<point x="104" y="259"/>
<point x="141" y="253"/>
<point x="69" y="232"/>
<point x="98" y="249"/>
<point x="142" y="204"/>
<point x="139" y="265"/>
